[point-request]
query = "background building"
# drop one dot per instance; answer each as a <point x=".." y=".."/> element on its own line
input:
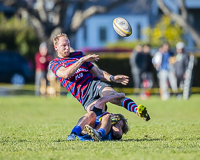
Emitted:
<point x="98" y="30"/>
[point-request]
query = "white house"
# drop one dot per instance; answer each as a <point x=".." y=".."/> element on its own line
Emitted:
<point x="98" y="30"/>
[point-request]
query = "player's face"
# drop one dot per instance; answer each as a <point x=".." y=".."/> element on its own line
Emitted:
<point x="146" y="49"/>
<point x="63" y="47"/>
<point x="165" y="47"/>
<point x="43" y="51"/>
<point x="179" y="50"/>
<point x="138" y="48"/>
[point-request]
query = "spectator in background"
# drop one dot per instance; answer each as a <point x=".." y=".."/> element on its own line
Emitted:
<point x="42" y="59"/>
<point x="166" y="72"/>
<point x="181" y="64"/>
<point x="135" y="63"/>
<point x="147" y="64"/>
<point x="146" y="70"/>
<point x="157" y="59"/>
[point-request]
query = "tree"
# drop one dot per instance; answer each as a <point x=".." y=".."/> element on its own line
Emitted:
<point x="18" y="36"/>
<point x="49" y="17"/>
<point x="164" y="31"/>
<point x="181" y="19"/>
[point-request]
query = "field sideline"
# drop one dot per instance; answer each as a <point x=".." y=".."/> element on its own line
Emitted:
<point x="35" y="128"/>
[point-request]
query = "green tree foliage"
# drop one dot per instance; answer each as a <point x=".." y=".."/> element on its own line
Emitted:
<point x="164" y="30"/>
<point x="17" y="35"/>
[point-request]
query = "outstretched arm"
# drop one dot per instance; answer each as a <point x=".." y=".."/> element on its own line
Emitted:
<point x="103" y="75"/>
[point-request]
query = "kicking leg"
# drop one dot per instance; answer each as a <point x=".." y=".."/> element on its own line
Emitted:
<point x="127" y="103"/>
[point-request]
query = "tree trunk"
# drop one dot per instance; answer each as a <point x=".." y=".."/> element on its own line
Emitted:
<point x="181" y="19"/>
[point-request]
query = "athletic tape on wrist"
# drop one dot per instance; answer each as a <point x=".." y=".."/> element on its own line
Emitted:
<point x="112" y="78"/>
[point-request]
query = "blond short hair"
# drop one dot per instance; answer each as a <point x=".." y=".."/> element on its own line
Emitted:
<point x="56" y="38"/>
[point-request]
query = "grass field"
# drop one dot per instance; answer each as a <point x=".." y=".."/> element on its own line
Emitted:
<point x="34" y="128"/>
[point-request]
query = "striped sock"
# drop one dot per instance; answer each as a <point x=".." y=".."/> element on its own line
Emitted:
<point x="130" y="105"/>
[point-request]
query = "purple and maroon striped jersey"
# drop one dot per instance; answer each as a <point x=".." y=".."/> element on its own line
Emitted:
<point x="76" y="84"/>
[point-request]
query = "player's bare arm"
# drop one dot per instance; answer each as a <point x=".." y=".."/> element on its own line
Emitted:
<point x="91" y="57"/>
<point x="103" y="75"/>
<point x="66" y="72"/>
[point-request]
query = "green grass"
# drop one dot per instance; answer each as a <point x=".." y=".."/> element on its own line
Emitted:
<point x="36" y="128"/>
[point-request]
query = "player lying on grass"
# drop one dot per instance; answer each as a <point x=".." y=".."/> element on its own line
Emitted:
<point x="84" y="80"/>
<point x="115" y="125"/>
<point x="101" y="120"/>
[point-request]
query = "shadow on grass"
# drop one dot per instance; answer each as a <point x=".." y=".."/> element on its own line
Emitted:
<point x="158" y="139"/>
<point x="144" y="139"/>
<point x="23" y="140"/>
<point x="60" y="140"/>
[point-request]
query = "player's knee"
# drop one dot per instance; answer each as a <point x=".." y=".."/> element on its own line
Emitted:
<point x="108" y="91"/>
<point x="91" y="115"/>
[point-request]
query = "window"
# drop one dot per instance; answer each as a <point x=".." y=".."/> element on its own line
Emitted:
<point x="84" y="32"/>
<point x="103" y="34"/>
<point x="138" y="31"/>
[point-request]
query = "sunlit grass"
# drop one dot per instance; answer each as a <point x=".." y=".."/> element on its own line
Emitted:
<point x="36" y="128"/>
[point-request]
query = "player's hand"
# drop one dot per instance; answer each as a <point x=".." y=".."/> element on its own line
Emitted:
<point x="121" y="79"/>
<point x="91" y="57"/>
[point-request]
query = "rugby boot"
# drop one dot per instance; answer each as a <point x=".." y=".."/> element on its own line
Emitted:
<point x="71" y="137"/>
<point x="96" y="136"/>
<point x="142" y="112"/>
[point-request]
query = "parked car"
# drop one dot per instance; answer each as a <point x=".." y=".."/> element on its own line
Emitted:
<point x="14" y="68"/>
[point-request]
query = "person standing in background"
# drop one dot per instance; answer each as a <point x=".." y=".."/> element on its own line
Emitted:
<point x="166" y="73"/>
<point x="146" y="71"/>
<point x="181" y="64"/>
<point x="135" y="63"/>
<point x="42" y="59"/>
<point x="157" y="59"/>
<point x="147" y="64"/>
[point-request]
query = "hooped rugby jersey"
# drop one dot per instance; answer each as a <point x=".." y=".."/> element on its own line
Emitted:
<point x="76" y="84"/>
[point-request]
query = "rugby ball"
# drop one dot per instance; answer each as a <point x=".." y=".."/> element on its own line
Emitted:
<point x="122" y="27"/>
